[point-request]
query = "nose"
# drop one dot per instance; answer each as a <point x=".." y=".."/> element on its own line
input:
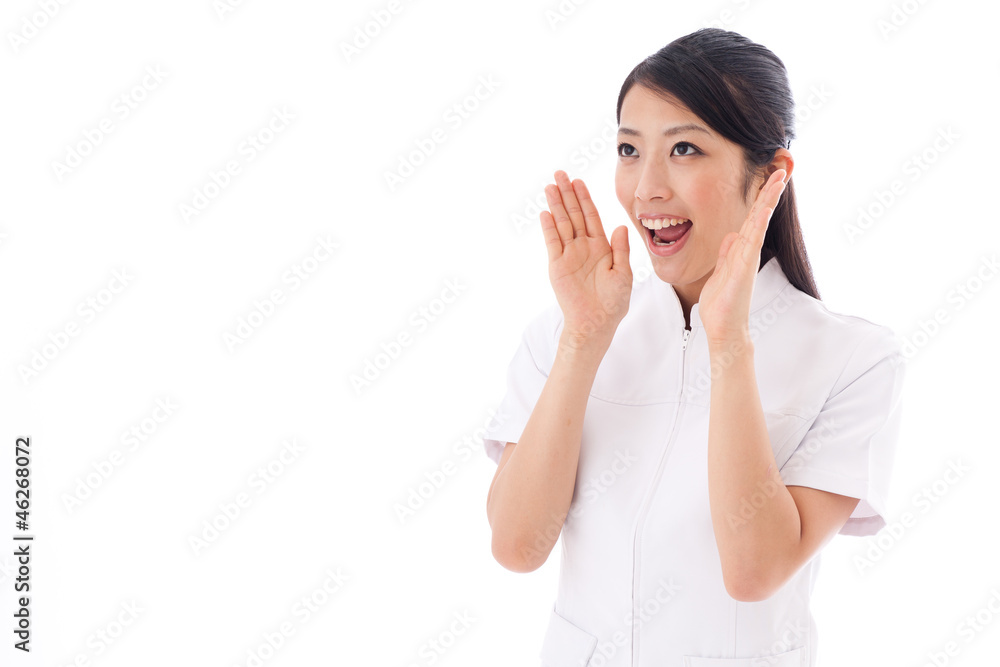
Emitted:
<point x="652" y="183"/>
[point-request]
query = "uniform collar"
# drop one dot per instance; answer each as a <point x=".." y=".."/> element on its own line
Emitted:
<point x="770" y="280"/>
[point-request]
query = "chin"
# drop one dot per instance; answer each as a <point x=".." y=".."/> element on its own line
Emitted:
<point x="677" y="273"/>
<point x="666" y="271"/>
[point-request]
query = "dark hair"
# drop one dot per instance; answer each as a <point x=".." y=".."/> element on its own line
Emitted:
<point x="740" y="89"/>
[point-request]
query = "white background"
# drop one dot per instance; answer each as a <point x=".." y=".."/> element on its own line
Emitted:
<point x="334" y="506"/>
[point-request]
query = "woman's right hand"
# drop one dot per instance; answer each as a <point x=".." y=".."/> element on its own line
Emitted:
<point x="591" y="278"/>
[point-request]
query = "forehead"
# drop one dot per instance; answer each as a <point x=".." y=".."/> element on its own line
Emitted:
<point x="648" y="111"/>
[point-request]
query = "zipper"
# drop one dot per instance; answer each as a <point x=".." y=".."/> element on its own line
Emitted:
<point x="644" y="508"/>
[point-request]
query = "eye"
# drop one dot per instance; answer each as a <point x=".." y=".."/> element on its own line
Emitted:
<point x="689" y="149"/>
<point x="623" y="146"/>
<point x="693" y="150"/>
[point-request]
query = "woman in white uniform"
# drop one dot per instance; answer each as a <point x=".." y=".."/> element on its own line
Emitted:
<point x="694" y="439"/>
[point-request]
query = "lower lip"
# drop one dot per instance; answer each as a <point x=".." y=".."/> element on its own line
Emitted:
<point x="666" y="250"/>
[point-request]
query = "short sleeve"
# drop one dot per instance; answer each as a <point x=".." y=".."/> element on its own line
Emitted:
<point x="526" y="376"/>
<point x="850" y="447"/>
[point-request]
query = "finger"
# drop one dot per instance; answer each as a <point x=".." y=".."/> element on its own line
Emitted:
<point x="562" y="222"/>
<point x="620" y="250"/>
<point x="553" y="243"/>
<point x="768" y="196"/>
<point x="763" y="218"/>
<point x="753" y="244"/>
<point x="772" y="190"/>
<point x="571" y="204"/>
<point x="727" y="243"/>
<point x="590" y="216"/>
<point x="751" y="233"/>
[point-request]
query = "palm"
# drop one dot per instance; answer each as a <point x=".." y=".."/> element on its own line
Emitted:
<point x="724" y="303"/>
<point x="591" y="278"/>
<point x="586" y="283"/>
<point x="721" y="295"/>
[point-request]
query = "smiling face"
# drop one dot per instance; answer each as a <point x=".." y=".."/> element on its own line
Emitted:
<point x="671" y="163"/>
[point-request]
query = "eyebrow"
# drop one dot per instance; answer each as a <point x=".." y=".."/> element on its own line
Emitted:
<point x="677" y="129"/>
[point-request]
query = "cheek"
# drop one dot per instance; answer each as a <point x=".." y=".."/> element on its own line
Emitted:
<point x="623" y="192"/>
<point x="717" y="201"/>
<point x="703" y="197"/>
<point x="729" y="189"/>
<point x="713" y="188"/>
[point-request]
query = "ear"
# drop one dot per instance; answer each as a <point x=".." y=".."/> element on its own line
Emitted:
<point x="782" y="160"/>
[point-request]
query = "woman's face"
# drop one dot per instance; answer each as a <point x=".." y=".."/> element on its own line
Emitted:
<point x="670" y="162"/>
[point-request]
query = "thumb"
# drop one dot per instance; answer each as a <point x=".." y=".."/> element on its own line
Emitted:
<point x="619" y="248"/>
<point x="727" y="242"/>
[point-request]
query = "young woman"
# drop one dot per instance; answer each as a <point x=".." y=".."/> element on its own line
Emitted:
<point x="697" y="439"/>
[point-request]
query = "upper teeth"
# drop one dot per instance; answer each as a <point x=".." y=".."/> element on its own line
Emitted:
<point x="660" y="223"/>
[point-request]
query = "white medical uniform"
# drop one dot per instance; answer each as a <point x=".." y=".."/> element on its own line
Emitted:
<point x="640" y="581"/>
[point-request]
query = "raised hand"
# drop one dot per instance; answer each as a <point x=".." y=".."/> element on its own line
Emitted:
<point x="724" y="303"/>
<point x="591" y="278"/>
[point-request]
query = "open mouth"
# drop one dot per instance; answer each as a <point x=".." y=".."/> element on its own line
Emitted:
<point x="668" y="235"/>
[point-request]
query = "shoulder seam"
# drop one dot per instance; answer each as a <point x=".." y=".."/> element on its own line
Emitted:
<point x="879" y="329"/>
<point x="540" y="318"/>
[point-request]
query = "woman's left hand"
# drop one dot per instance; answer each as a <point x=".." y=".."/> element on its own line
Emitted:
<point x="724" y="304"/>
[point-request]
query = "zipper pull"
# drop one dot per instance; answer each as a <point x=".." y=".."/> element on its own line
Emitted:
<point x="687" y="332"/>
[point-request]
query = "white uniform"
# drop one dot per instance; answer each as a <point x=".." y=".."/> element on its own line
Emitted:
<point x="640" y="581"/>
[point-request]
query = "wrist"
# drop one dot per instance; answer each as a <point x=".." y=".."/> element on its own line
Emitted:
<point x="582" y="350"/>
<point x="737" y="347"/>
